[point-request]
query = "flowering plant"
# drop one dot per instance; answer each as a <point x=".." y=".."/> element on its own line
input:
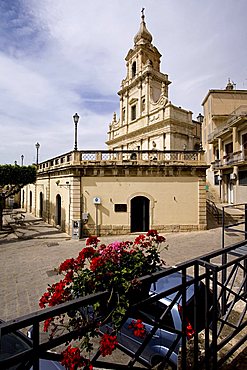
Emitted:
<point x="115" y="267"/>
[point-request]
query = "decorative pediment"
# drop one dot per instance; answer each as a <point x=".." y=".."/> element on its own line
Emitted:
<point x="133" y="101"/>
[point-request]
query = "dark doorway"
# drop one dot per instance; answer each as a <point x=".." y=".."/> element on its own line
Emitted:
<point x="139" y="214"/>
<point x="40" y="204"/>
<point x="58" y="210"/>
<point x="23" y="199"/>
<point x="30" y="202"/>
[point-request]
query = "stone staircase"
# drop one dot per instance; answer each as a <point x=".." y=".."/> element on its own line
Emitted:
<point x="215" y="211"/>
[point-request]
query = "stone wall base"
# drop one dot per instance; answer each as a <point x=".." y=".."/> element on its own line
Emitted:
<point x="104" y="230"/>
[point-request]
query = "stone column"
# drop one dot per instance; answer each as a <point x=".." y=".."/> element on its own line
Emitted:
<point x="121" y="110"/>
<point x="235" y="139"/>
<point x="140" y="98"/>
<point x="48" y="201"/>
<point x="127" y="111"/>
<point x="147" y="97"/>
<point x="220" y="149"/>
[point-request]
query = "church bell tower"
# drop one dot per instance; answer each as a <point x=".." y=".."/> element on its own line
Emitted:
<point x="147" y="119"/>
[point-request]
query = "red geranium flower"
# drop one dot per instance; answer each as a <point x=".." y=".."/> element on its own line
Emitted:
<point x="86" y="252"/>
<point x="72" y="359"/>
<point x="92" y="240"/>
<point x="152" y="233"/>
<point x="139" y="239"/>
<point x="96" y="263"/>
<point x="68" y="264"/>
<point x="138" y="328"/>
<point x="108" y="344"/>
<point x="47" y="324"/>
<point x="115" y="267"/>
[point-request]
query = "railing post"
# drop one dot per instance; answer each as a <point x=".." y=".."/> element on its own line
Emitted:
<point x="196" y="290"/>
<point x="245" y="237"/>
<point x="36" y="345"/>
<point x="184" y="323"/>
<point x="224" y="261"/>
<point x="207" y="352"/>
<point x="98" y="156"/>
<point x="214" y="321"/>
<point x="245" y="221"/>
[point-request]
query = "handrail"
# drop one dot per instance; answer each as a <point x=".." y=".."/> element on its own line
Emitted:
<point x="213" y="209"/>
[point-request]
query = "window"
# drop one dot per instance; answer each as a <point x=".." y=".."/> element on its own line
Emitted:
<point x="123" y="114"/>
<point x="244" y="141"/>
<point x="154" y="311"/>
<point x="216" y="154"/>
<point x="216" y="179"/>
<point x="143" y="104"/>
<point x="229" y="148"/>
<point x="242" y="176"/>
<point x="133" y="112"/>
<point x="133" y="69"/>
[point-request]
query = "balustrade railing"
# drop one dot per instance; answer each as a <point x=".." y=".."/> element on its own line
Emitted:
<point x="132" y="156"/>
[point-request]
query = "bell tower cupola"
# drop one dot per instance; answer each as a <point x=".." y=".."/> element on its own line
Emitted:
<point x="144" y="83"/>
<point x="143" y="36"/>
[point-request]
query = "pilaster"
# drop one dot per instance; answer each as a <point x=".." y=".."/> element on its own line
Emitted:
<point x="75" y="199"/>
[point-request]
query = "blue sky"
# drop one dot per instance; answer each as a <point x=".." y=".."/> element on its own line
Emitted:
<point x="58" y="57"/>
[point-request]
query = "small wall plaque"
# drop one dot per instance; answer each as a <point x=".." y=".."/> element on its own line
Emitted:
<point x="120" y="207"/>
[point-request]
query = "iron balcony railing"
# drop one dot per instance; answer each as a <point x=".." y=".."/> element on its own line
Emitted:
<point x="223" y="272"/>
<point x="230" y="159"/>
<point x="237" y="115"/>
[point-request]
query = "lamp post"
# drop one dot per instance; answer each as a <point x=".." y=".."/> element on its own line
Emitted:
<point x="200" y="118"/>
<point x="76" y="120"/>
<point x="37" y="145"/>
<point x="22" y="159"/>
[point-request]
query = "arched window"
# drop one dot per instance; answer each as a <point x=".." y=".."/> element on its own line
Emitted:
<point x="133" y="69"/>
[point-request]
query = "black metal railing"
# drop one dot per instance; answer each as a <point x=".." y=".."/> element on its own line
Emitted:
<point x="214" y="211"/>
<point x="238" y="213"/>
<point x="222" y="273"/>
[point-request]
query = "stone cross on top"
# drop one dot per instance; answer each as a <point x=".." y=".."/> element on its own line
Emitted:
<point x="142" y="11"/>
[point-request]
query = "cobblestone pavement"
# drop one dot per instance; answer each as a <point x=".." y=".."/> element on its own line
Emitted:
<point x="29" y="254"/>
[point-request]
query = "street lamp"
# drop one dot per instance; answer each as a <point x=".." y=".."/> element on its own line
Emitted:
<point x="76" y="120"/>
<point x="37" y="145"/>
<point x="22" y="158"/>
<point x="200" y="118"/>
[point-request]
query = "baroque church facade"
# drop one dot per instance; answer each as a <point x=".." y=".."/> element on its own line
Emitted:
<point x="151" y="176"/>
<point x="148" y="120"/>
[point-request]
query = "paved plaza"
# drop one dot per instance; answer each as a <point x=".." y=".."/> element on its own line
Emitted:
<point x="29" y="255"/>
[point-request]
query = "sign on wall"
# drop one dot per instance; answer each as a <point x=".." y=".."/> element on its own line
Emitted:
<point x="96" y="200"/>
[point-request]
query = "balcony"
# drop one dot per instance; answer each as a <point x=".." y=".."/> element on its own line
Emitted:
<point x="124" y="157"/>
<point x="235" y="118"/>
<point x="230" y="159"/>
